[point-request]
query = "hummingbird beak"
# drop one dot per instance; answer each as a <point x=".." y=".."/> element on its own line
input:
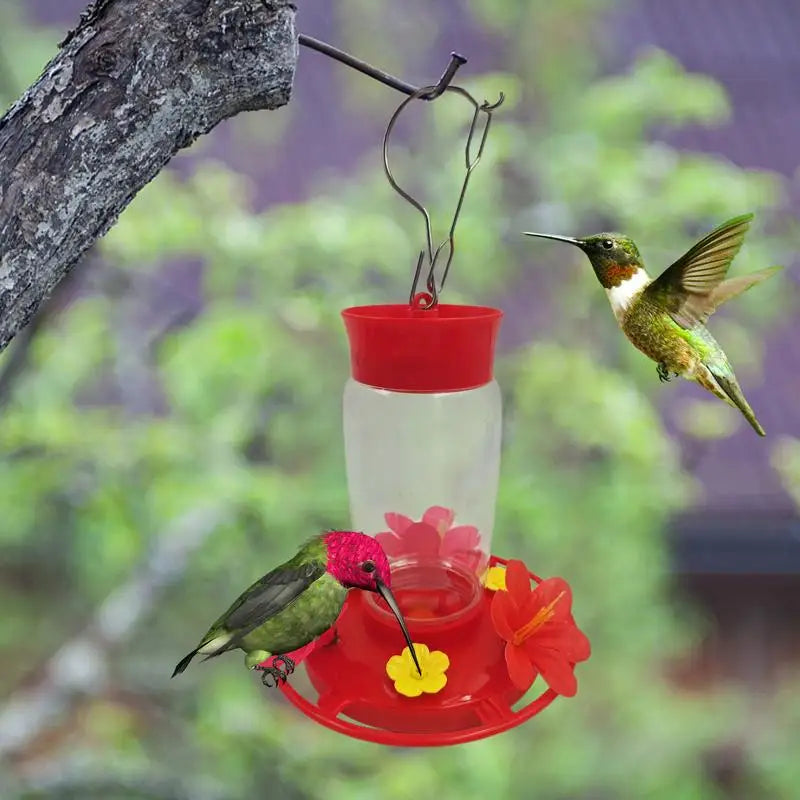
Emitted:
<point x="567" y="239"/>
<point x="386" y="593"/>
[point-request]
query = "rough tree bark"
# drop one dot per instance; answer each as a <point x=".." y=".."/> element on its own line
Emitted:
<point x="136" y="81"/>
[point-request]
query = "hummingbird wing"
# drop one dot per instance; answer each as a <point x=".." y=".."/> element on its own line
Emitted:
<point x="267" y="597"/>
<point x="270" y="595"/>
<point x="264" y="599"/>
<point x="691" y="288"/>
<point x="735" y="286"/>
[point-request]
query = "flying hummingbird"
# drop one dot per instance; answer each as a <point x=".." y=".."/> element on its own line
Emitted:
<point x="299" y="600"/>
<point x="665" y="318"/>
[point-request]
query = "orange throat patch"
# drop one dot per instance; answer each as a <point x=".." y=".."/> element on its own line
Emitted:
<point x="616" y="274"/>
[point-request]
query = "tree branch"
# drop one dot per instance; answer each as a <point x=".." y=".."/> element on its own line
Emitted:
<point x="136" y="81"/>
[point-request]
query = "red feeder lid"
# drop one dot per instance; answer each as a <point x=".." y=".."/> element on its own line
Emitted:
<point x="448" y="348"/>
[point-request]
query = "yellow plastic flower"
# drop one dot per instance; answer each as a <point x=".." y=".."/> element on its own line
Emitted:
<point x="407" y="681"/>
<point x="496" y="579"/>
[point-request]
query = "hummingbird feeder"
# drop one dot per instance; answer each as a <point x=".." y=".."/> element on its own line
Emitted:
<point x="422" y="422"/>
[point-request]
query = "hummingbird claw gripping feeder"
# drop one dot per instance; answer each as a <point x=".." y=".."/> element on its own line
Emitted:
<point x="422" y="429"/>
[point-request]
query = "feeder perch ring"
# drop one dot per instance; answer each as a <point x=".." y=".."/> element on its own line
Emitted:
<point x="357" y="698"/>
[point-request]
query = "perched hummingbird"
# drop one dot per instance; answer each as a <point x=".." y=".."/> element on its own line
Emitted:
<point x="665" y="318"/>
<point x="298" y="601"/>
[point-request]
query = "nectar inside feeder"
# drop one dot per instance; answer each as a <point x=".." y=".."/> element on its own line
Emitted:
<point x="422" y="429"/>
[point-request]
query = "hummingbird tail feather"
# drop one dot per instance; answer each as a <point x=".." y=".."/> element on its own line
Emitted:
<point x="208" y="648"/>
<point x="732" y="390"/>
<point x="184" y="662"/>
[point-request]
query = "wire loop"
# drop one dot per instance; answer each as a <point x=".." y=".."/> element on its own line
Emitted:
<point x="430" y="256"/>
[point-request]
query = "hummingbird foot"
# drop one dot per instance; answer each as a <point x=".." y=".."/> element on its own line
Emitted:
<point x="271" y="676"/>
<point x="663" y="372"/>
<point x="286" y="665"/>
<point x="277" y="673"/>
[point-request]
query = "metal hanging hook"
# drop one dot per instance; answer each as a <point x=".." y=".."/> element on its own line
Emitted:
<point x="430" y="93"/>
<point x="430" y="300"/>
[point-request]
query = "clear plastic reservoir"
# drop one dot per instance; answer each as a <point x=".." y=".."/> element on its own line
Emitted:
<point x="422" y="471"/>
<point x="422" y="430"/>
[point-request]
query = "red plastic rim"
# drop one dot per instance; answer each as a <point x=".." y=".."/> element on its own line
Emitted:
<point x="447" y="348"/>
<point x="357" y="699"/>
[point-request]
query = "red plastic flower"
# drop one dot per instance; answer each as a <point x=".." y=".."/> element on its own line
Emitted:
<point x="540" y="633"/>
<point x="434" y="536"/>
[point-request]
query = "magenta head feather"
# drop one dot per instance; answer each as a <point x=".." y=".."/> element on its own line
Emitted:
<point x="356" y="560"/>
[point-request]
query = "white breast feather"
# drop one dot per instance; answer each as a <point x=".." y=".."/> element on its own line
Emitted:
<point x="623" y="295"/>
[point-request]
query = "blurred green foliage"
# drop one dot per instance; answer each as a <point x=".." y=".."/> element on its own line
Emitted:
<point x="128" y="416"/>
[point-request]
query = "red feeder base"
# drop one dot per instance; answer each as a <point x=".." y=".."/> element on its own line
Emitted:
<point x="444" y="611"/>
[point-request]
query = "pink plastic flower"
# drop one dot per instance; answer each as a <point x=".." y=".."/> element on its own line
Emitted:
<point x="433" y="537"/>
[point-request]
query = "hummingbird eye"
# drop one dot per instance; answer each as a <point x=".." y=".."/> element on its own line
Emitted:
<point x="368" y="566"/>
<point x="607" y="244"/>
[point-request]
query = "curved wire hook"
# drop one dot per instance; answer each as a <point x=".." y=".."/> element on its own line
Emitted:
<point x="456" y="61"/>
<point x="470" y="164"/>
